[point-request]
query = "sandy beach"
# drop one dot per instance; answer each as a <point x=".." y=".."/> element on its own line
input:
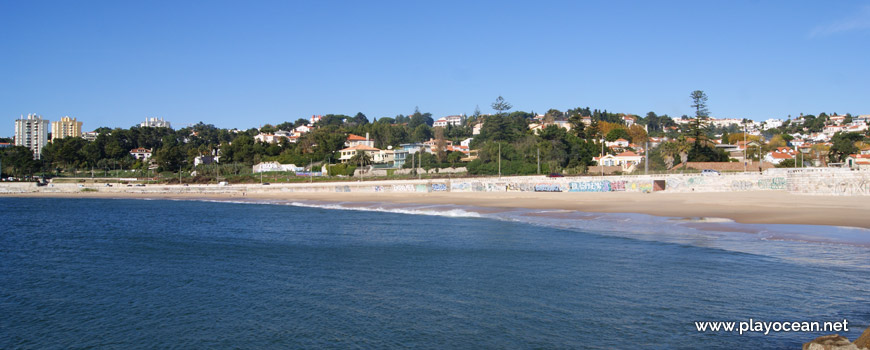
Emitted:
<point x="770" y="207"/>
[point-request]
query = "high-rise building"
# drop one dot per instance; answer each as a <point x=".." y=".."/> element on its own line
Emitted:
<point x="66" y="127"/>
<point x="32" y="132"/>
<point x="155" y="123"/>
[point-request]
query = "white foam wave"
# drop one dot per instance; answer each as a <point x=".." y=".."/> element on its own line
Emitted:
<point x="456" y="213"/>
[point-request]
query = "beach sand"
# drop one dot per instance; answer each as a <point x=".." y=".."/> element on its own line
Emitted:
<point x="768" y="207"/>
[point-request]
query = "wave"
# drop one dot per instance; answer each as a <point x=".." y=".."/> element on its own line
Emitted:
<point x="456" y="213"/>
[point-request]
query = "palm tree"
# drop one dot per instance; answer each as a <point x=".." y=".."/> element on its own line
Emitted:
<point x="669" y="151"/>
<point x="684" y="147"/>
<point x="361" y="158"/>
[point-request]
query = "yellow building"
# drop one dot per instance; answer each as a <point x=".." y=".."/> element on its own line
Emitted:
<point x="66" y="127"/>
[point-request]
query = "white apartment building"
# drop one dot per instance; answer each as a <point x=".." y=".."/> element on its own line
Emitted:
<point x="155" y="123"/>
<point x="32" y="132"/>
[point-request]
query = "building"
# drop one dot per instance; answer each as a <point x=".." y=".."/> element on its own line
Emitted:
<point x="315" y="118"/>
<point x="348" y="153"/>
<point x="356" y="140"/>
<point x="858" y="161"/>
<point x="455" y="120"/>
<point x="141" y="153"/>
<point x="275" y="166"/>
<point x="66" y="127"/>
<point x="274" y="138"/>
<point x="32" y="132"/>
<point x="780" y="154"/>
<point x="206" y="160"/>
<point x="155" y="123"/>
<point x="626" y="160"/>
<point x="90" y="135"/>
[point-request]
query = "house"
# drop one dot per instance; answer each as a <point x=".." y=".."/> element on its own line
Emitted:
<point x="629" y="120"/>
<point x="466" y="142"/>
<point x="780" y="154"/>
<point x="315" y="118"/>
<point x="302" y="129"/>
<point x="838" y="119"/>
<point x="455" y="120"/>
<point x="356" y="140"/>
<point x="273" y="138"/>
<point x="858" y="161"/>
<point x="275" y="166"/>
<point x="626" y="160"/>
<point x="412" y="148"/>
<point x="475" y="130"/>
<point x="432" y="144"/>
<point x="620" y="143"/>
<point x="586" y="121"/>
<point x="348" y="153"/>
<point x="90" y="135"/>
<point x="206" y="160"/>
<point x="141" y="153"/>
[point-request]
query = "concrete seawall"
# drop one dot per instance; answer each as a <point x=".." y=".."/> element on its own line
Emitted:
<point x="825" y="181"/>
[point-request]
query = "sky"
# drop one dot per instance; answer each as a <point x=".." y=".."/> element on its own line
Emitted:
<point x="242" y="64"/>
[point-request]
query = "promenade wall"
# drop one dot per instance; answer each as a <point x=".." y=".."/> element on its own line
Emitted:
<point x="825" y="181"/>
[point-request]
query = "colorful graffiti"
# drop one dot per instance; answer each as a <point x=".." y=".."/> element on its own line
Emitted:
<point x="460" y="187"/>
<point x="342" y="188"/>
<point x="548" y="188"/>
<point x="421" y="188"/>
<point x="776" y="183"/>
<point x="589" y="186"/>
<point x="439" y="187"/>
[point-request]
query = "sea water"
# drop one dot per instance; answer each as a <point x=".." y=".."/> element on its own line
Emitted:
<point x="111" y="273"/>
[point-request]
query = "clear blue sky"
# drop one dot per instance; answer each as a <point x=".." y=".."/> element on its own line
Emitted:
<point x="246" y="63"/>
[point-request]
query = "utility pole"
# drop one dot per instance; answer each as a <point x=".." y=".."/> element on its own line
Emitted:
<point x="744" y="146"/>
<point x="646" y="159"/>
<point x="310" y="171"/>
<point x="539" y="160"/>
<point x="420" y="176"/>
<point x="499" y="159"/>
<point x="601" y="159"/>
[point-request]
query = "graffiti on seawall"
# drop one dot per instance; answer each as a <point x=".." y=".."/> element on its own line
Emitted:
<point x="548" y="188"/>
<point x="403" y="188"/>
<point x="439" y="187"/>
<point x="342" y="188"/>
<point x="460" y="187"/>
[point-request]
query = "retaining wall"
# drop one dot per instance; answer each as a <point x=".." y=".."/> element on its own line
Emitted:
<point x="824" y="181"/>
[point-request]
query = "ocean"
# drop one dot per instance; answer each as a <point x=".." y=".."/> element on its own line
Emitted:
<point x="127" y="273"/>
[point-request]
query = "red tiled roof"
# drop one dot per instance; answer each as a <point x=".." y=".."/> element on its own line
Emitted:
<point x="353" y="137"/>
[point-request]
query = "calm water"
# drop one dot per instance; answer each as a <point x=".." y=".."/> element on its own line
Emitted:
<point x="151" y="274"/>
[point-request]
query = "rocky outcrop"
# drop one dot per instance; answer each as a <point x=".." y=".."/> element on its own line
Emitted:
<point x="830" y="342"/>
<point x="863" y="342"/>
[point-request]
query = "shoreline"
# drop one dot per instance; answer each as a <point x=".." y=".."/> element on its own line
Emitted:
<point x="769" y="207"/>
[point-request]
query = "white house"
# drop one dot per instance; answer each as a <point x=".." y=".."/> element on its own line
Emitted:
<point x="141" y="153"/>
<point x="627" y="160"/>
<point x="780" y="154"/>
<point x="858" y="161"/>
<point x="618" y="143"/>
<point x="455" y="120"/>
<point x="348" y="153"/>
<point x="356" y="140"/>
<point x="275" y="166"/>
<point x="302" y="129"/>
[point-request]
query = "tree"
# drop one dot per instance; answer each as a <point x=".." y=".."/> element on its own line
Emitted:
<point x="361" y="158"/>
<point x="501" y="106"/>
<point x="360" y="119"/>
<point x="440" y="144"/>
<point x="616" y="134"/>
<point x="698" y="126"/>
<point x="669" y="152"/>
<point x="843" y="146"/>
<point x="453" y="158"/>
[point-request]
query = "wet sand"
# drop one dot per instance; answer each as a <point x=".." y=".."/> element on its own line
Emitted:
<point x="768" y="207"/>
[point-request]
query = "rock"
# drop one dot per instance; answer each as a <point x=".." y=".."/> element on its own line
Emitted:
<point x="863" y="342"/>
<point x="830" y="342"/>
